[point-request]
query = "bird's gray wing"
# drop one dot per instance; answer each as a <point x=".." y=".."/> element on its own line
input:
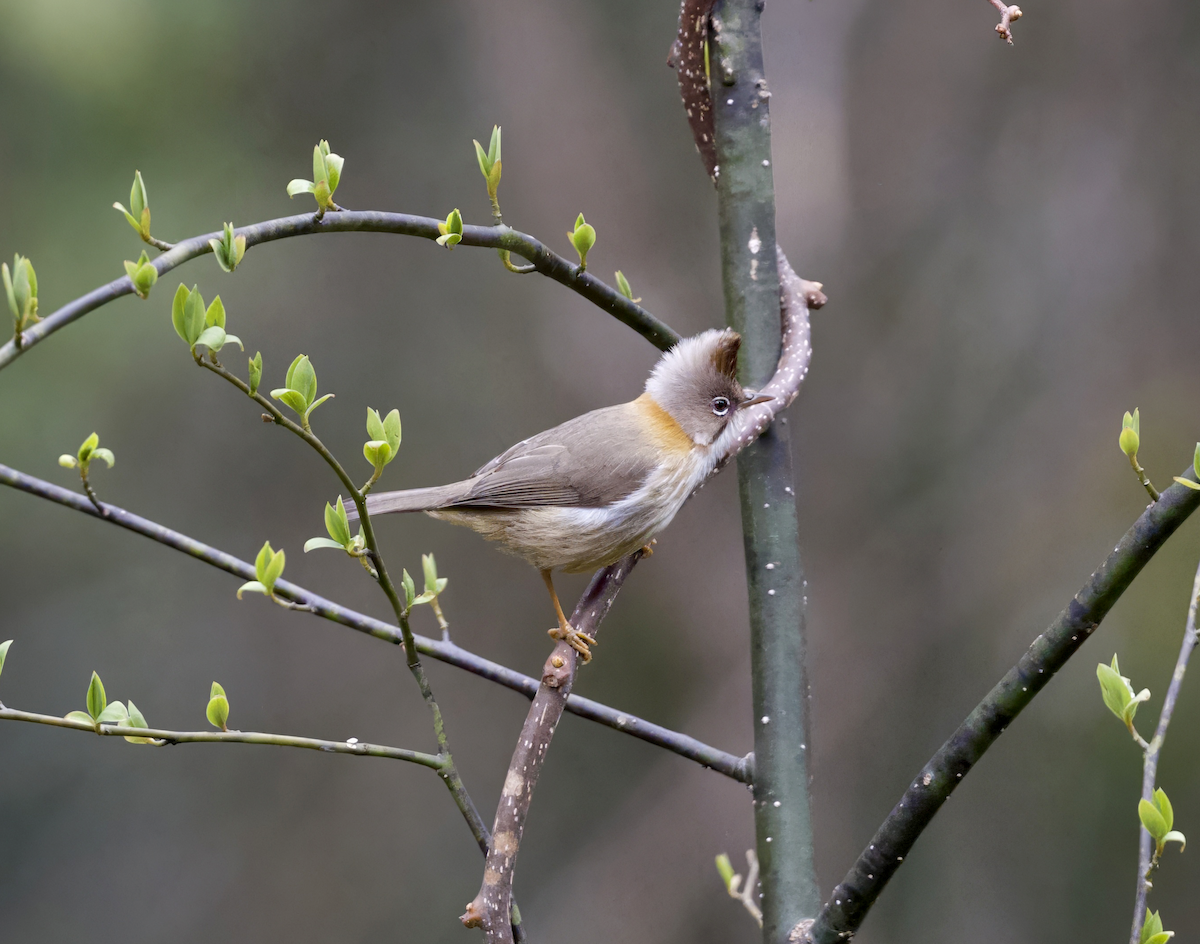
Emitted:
<point x="591" y="461"/>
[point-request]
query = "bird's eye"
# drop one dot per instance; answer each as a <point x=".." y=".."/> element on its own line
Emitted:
<point x="720" y="406"/>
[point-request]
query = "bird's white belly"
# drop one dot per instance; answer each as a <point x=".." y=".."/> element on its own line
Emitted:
<point x="554" y="537"/>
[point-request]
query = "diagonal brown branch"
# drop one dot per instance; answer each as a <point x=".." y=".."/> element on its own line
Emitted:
<point x="491" y="906"/>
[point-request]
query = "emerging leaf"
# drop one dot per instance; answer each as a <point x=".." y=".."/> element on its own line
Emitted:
<point x="4" y="652"/>
<point x="1165" y="808"/>
<point x="299" y="186"/>
<point x="214" y="315"/>
<point x="252" y="586"/>
<point x="115" y="713"/>
<point x="1153" y="820"/>
<point x="1152" y="930"/>
<point x="96" y="699"/>
<point x="137" y="720"/>
<point x="105" y="455"/>
<point x="82" y="716"/>
<point x="725" y="870"/>
<point x="410" y="588"/>
<point x="313" y="544"/>
<point x="255" y="372"/>
<point x="336" y="522"/>
<point x="217" y="710"/>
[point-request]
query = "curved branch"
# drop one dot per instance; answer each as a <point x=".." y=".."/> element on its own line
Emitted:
<point x="356" y="748"/>
<point x="490" y="907"/>
<point x="544" y="260"/>
<point x="853" y="898"/>
<point x="737" y="768"/>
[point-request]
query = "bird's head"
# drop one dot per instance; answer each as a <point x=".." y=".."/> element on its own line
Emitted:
<point x="696" y="382"/>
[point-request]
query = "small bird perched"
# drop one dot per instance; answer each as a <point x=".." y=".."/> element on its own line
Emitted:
<point x="585" y="494"/>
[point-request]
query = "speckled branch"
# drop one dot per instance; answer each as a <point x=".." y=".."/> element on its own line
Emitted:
<point x="688" y="60"/>
<point x="544" y="260"/>
<point x="1150" y="761"/>
<point x="490" y="907"/>
<point x="842" y="915"/>
<point x="739" y="768"/>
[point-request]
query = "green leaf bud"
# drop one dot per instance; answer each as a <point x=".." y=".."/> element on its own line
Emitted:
<point x="1152" y="930"/>
<point x="410" y="588"/>
<point x="378" y="453"/>
<point x="96" y="699"/>
<point x="106" y="455"/>
<point x="142" y="274"/>
<point x="4" y="652"/>
<point x="137" y="720"/>
<point x="217" y="710"/>
<point x="230" y="249"/>
<point x="583" y="238"/>
<point x="20" y="288"/>
<point x="336" y="522"/>
<point x="1130" y="434"/>
<point x="1152" y="819"/>
<point x="215" y="313"/>
<point x="137" y="195"/>
<point x="87" y="447"/>
<point x="451" y="230"/>
<point x="255" y="372"/>
<point x="725" y="870"/>
<point x="302" y="378"/>
<point x="299" y="186"/>
<point x="68" y="462"/>
<point x="115" y="713"/>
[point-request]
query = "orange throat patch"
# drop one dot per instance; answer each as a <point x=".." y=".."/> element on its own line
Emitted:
<point x="661" y="426"/>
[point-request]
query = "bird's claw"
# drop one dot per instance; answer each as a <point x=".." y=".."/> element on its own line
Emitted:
<point x="575" y="639"/>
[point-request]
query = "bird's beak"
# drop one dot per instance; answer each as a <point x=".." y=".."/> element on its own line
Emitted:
<point x="759" y="398"/>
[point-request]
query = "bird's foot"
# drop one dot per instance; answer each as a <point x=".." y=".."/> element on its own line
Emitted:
<point x="648" y="549"/>
<point x="575" y="639"/>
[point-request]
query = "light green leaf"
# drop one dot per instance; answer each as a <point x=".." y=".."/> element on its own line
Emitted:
<point x="374" y="425"/>
<point x="302" y="378"/>
<point x="261" y="562"/>
<point x="252" y="586"/>
<point x="623" y="285"/>
<point x="255" y="372"/>
<point x="429" y="566"/>
<point x="449" y="240"/>
<point x="4" y="652"/>
<point x="215" y="690"/>
<point x="137" y="720"/>
<point x="1188" y="482"/>
<point x="485" y="165"/>
<point x="494" y="145"/>
<point x="1152" y="929"/>
<point x="177" y="311"/>
<point x="725" y="870"/>
<point x="1160" y="938"/>
<point x="1164" y="807"/>
<point x="213" y="338"/>
<point x="410" y="589"/>
<point x="137" y="194"/>
<point x="336" y="522"/>
<point x="10" y="291"/>
<point x="217" y="712"/>
<point x="333" y="167"/>
<point x="215" y="314"/>
<point x="299" y="186"/>
<point x="274" y="569"/>
<point x="313" y="544"/>
<point x="137" y="227"/>
<point x="317" y="403"/>
<point x="89" y="444"/>
<point x="423" y="598"/>
<point x="1175" y="836"/>
<point x="377" y="453"/>
<point x="221" y="253"/>
<point x="234" y="339"/>
<point x="1113" y="688"/>
<point x="1132" y="704"/>
<point x="80" y="716"/>
<point x="1152" y="819"/>
<point x="115" y="713"/>
<point x="320" y="171"/>
<point x="291" y="398"/>
<point x="104" y="454"/>
<point x="193" y="316"/>
<point x="96" y="699"/>
<point x="391" y="431"/>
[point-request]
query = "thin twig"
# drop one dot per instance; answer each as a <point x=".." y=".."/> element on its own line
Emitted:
<point x="491" y="906"/>
<point x="846" y="908"/>
<point x="352" y="746"/>
<point x="1146" y="858"/>
<point x="1008" y="14"/>
<point x="448" y="770"/>
<point x="546" y="261"/>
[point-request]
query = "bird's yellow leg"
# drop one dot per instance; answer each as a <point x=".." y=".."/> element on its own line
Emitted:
<point x="564" y="630"/>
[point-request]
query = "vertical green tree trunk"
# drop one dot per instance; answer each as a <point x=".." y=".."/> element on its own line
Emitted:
<point x="775" y="578"/>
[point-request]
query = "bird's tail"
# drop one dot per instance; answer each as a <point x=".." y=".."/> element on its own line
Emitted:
<point x="412" y="499"/>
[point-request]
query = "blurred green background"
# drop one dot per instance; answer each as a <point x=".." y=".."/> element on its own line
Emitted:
<point x="1008" y="238"/>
